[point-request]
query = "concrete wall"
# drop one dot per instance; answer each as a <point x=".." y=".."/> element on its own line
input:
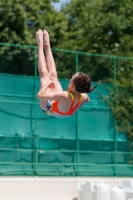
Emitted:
<point x="39" y="188"/>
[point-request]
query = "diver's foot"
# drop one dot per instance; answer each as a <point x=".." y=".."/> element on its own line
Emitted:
<point x="39" y="37"/>
<point x="46" y="41"/>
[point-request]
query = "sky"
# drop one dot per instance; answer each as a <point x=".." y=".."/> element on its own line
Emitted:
<point x="58" y="5"/>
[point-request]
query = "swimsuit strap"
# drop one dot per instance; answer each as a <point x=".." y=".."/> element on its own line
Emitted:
<point x="79" y="102"/>
<point x="72" y="96"/>
<point x="71" y="110"/>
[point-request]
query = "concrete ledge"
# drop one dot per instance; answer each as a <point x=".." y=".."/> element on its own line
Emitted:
<point x="46" y="188"/>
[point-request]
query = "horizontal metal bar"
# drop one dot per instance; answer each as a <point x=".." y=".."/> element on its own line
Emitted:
<point x="49" y="138"/>
<point x="62" y="164"/>
<point x="43" y="151"/>
<point x="22" y="102"/>
<point x="17" y="95"/>
<point x="68" y="51"/>
<point x="18" y="45"/>
<point x="35" y="103"/>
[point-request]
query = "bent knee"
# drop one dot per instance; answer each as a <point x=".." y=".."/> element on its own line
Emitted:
<point x="43" y="74"/>
<point x="53" y="76"/>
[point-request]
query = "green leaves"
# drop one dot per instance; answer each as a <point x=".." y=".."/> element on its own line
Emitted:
<point x="106" y="27"/>
<point x="21" y="19"/>
<point x="103" y="27"/>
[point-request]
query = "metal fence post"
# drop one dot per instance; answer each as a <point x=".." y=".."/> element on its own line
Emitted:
<point x="115" y="71"/>
<point x="35" y="99"/>
<point x="115" y="137"/>
<point x="77" y="153"/>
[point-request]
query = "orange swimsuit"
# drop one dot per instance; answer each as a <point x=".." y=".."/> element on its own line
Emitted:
<point x="52" y="106"/>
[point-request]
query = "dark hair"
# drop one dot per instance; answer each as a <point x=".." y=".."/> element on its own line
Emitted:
<point x="82" y="83"/>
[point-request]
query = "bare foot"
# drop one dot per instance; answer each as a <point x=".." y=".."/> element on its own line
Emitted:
<point x="39" y="37"/>
<point x="46" y="41"/>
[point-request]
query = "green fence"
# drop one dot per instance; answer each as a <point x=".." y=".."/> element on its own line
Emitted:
<point x="32" y="143"/>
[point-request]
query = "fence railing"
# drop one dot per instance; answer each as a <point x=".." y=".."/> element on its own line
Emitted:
<point x="32" y="143"/>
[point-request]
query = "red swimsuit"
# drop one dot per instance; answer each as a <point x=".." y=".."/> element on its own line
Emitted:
<point x="71" y="110"/>
<point x="53" y="106"/>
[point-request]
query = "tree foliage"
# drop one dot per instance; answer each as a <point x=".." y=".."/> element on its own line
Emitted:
<point x="120" y="98"/>
<point x="19" y="21"/>
<point x="106" y="27"/>
<point x="98" y="26"/>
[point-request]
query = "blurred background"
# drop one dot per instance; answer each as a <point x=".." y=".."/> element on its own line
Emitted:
<point x="90" y="36"/>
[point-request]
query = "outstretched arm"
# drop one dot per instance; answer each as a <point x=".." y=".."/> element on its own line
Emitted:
<point x="86" y="98"/>
<point x="51" y="96"/>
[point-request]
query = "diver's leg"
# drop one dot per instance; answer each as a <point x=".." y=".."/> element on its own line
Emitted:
<point x="51" y="63"/>
<point x="43" y="72"/>
<point x="42" y="68"/>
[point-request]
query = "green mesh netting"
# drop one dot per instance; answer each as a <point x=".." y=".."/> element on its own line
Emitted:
<point x="33" y="143"/>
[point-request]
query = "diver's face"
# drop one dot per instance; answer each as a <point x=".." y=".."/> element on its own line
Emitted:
<point x="71" y="86"/>
<point x="71" y="82"/>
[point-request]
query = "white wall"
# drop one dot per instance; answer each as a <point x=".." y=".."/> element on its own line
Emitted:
<point x="39" y="188"/>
